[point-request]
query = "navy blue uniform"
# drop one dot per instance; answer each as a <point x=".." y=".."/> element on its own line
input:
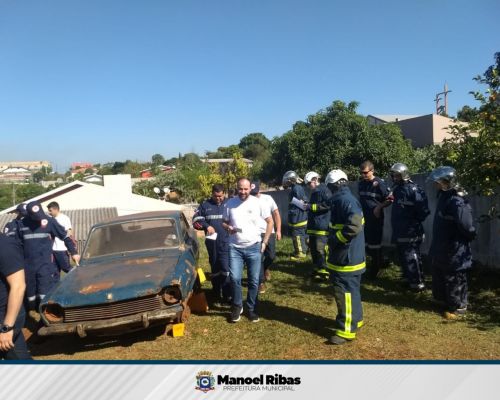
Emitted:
<point x="409" y="210"/>
<point x="346" y="260"/>
<point x="317" y="227"/>
<point x="450" y="252"/>
<point x="211" y="214"/>
<point x="371" y="194"/>
<point x="297" y="221"/>
<point x="12" y="229"/>
<point x="38" y="237"/>
<point x="11" y="261"/>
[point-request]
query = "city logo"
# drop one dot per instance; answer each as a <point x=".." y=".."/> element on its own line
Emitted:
<point x="205" y="381"/>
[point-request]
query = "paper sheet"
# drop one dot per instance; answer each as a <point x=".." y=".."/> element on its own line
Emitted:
<point x="213" y="236"/>
<point x="298" y="203"/>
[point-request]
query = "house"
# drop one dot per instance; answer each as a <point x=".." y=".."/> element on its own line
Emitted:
<point x="149" y="172"/>
<point x="87" y="204"/>
<point x="81" y="167"/>
<point x="15" y="175"/>
<point x="32" y="166"/>
<point x="422" y="130"/>
<point x="115" y="193"/>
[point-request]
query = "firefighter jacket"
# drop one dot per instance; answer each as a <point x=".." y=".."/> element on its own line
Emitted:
<point x="297" y="218"/>
<point x="211" y="214"/>
<point x="409" y="210"/>
<point x="371" y="194"/>
<point x="318" y="218"/>
<point x="38" y="237"/>
<point x="452" y="232"/>
<point x="346" y="239"/>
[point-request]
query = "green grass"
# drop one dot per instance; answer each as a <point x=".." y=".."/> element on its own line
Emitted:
<point x="297" y="316"/>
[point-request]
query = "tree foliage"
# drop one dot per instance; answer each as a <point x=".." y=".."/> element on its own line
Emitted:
<point x="337" y="137"/>
<point x="13" y="194"/>
<point x="474" y="149"/>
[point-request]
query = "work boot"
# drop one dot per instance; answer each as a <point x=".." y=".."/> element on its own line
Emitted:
<point x="455" y="315"/>
<point x="337" y="340"/>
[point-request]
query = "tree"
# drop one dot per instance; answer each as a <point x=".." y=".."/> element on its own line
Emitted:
<point x="157" y="159"/>
<point x="467" y="114"/>
<point x="337" y="137"/>
<point x="474" y="149"/>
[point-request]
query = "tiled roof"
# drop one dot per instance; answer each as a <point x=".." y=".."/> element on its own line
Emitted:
<point x="82" y="221"/>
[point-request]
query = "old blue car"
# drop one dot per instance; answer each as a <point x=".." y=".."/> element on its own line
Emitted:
<point x="136" y="271"/>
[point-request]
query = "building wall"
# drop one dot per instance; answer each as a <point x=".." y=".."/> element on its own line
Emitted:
<point x="418" y="130"/>
<point x="486" y="247"/>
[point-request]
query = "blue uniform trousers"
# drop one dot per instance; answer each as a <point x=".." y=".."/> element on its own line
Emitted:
<point x="41" y="277"/>
<point x="318" y="246"/>
<point x="346" y="289"/>
<point x="218" y="257"/>
<point x="299" y="239"/>
<point x="449" y="287"/>
<point x="61" y="260"/>
<point x="411" y="262"/>
<point x="374" y="229"/>
<point x="268" y="256"/>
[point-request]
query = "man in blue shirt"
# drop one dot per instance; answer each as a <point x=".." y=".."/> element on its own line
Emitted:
<point x="208" y="217"/>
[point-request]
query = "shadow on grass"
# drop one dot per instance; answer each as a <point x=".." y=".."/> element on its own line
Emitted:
<point x="312" y="323"/>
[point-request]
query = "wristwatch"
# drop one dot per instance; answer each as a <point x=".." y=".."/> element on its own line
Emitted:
<point x="5" y="328"/>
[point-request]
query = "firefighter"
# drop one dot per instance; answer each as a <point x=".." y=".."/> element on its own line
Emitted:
<point x="409" y="210"/>
<point x="37" y="235"/>
<point x="346" y="256"/>
<point x="208" y="218"/>
<point x="297" y="214"/>
<point x="450" y="251"/>
<point x="13" y="228"/>
<point x="317" y="224"/>
<point x="372" y="194"/>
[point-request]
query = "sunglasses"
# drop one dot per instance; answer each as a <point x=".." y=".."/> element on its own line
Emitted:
<point x="365" y="172"/>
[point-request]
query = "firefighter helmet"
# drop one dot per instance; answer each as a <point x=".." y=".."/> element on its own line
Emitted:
<point x="401" y="169"/>
<point x="444" y="174"/>
<point x="335" y="176"/>
<point x="310" y="176"/>
<point x="290" y="177"/>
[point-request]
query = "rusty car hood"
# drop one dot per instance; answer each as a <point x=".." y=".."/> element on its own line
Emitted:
<point x="117" y="278"/>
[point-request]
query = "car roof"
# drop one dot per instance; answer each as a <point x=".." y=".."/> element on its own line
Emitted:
<point x="145" y="215"/>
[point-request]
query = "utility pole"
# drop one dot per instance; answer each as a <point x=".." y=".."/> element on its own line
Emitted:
<point x="13" y="194"/>
<point x="442" y="110"/>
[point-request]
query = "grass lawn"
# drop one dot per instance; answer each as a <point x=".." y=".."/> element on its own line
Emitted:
<point x="297" y="316"/>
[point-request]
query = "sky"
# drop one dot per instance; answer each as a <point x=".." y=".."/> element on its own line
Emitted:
<point x="111" y="80"/>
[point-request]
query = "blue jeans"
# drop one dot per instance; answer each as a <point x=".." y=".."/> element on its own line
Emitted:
<point x="238" y="257"/>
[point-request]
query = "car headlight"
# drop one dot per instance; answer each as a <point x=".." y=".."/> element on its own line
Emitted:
<point x="172" y="295"/>
<point x="53" y="313"/>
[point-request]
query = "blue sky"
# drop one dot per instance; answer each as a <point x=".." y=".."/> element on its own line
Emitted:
<point x="106" y="80"/>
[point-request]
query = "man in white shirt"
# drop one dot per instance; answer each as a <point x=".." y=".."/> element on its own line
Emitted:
<point x="269" y="254"/>
<point x="59" y="250"/>
<point x="242" y="219"/>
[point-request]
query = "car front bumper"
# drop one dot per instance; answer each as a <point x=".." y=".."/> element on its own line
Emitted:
<point x="114" y="325"/>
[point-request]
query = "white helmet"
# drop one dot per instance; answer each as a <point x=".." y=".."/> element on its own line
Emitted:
<point x="335" y="176"/>
<point x="310" y="176"/>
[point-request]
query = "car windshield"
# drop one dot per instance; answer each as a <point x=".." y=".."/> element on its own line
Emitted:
<point x="131" y="236"/>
